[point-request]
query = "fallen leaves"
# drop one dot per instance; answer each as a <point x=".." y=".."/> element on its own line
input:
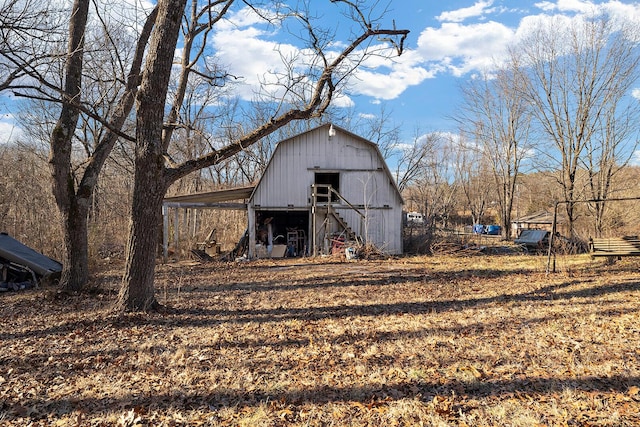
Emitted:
<point x="431" y="341"/>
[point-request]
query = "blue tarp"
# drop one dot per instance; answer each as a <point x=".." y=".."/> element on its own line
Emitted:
<point x="493" y="230"/>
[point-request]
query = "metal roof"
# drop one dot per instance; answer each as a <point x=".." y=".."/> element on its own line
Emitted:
<point x="542" y="217"/>
<point x="16" y="252"/>
<point x="210" y="198"/>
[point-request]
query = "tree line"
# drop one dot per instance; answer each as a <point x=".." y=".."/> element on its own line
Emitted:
<point x="560" y="102"/>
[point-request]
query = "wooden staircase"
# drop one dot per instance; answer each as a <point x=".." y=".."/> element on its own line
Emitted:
<point x="346" y="230"/>
<point x="324" y="198"/>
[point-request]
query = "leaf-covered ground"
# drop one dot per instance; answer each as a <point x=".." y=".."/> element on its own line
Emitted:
<point x="442" y="341"/>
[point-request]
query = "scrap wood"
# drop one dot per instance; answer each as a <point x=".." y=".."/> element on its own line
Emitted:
<point x="201" y="255"/>
<point x="450" y="247"/>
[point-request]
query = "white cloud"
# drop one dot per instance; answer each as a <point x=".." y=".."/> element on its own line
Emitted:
<point x="624" y="16"/>
<point x="385" y="79"/>
<point x="462" y="48"/>
<point x="245" y="17"/>
<point x="565" y="6"/>
<point x="342" y="101"/>
<point x="248" y="53"/>
<point x="530" y="24"/>
<point x="478" y="9"/>
<point x="623" y="12"/>
<point x="9" y="132"/>
<point x="367" y="116"/>
<point x="387" y="86"/>
<point x="636" y="93"/>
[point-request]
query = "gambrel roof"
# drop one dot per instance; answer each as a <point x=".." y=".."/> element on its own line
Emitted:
<point x="325" y="128"/>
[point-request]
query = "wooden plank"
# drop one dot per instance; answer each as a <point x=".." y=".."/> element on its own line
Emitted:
<point x="615" y="246"/>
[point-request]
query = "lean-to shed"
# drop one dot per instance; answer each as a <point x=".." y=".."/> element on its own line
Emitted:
<point x="321" y="188"/>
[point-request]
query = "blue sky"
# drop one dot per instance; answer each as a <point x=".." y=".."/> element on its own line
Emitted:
<point x="450" y="41"/>
<point x="456" y="39"/>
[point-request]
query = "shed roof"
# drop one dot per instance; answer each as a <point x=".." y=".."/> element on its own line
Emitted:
<point x="532" y="237"/>
<point x="542" y="217"/>
<point x="209" y="197"/>
<point x="18" y="253"/>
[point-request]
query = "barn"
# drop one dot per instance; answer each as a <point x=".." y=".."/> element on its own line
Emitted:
<point x="322" y="190"/>
<point x="323" y="186"/>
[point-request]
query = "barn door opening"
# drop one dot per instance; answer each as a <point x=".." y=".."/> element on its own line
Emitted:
<point x="282" y="233"/>
<point x="328" y="178"/>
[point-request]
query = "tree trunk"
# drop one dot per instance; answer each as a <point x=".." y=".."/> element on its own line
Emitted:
<point x="138" y="291"/>
<point x="75" y="265"/>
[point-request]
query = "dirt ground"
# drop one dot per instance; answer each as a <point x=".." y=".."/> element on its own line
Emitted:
<point x="432" y="341"/>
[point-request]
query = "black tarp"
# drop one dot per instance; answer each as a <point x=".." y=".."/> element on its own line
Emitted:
<point x="22" y="255"/>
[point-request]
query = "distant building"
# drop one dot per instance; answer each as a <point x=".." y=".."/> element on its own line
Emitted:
<point x="542" y="220"/>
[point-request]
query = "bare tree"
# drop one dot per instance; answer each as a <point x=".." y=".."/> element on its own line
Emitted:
<point x="494" y="114"/>
<point x="307" y="94"/>
<point x="73" y="195"/>
<point x="573" y="75"/>
<point x="613" y="144"/>
<point x="415" y="158"/>
<point x="433" y="186"/>
<point x="76" y="265"/>
<point x="473" y="176"/>
<point x="25" y="26"/>
<point x="381" y="129"/>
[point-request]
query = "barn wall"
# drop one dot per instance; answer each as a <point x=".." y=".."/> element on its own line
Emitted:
<point x="291" y="170"/>
<point x="381" y="226"/>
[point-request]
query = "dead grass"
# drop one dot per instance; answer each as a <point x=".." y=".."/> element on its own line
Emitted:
<point x="434" y="341"/>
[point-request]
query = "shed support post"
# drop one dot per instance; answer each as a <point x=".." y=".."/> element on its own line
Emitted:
<point x="550" y="267"/>
<point x="165" y="234"/>
<point x="314" y="225"/>
<point x="251" y="223"/>
<point x="176" y="228"/>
